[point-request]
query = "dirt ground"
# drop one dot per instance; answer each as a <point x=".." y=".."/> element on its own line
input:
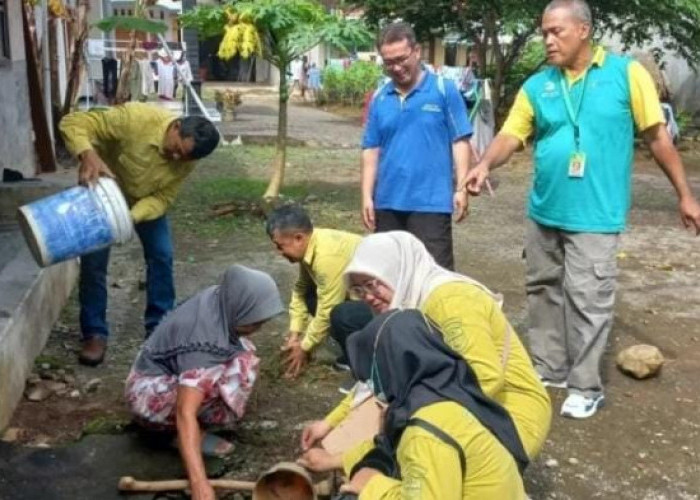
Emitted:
<point x="644" y="445"/>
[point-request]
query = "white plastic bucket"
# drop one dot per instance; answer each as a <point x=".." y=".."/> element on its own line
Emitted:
<point x="75" y="222"/>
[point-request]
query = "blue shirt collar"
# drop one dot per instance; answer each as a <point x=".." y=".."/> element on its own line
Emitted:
<point x="421" y="87"/>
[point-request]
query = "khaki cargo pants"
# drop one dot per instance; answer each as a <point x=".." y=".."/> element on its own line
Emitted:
<point x="570" y="286"/>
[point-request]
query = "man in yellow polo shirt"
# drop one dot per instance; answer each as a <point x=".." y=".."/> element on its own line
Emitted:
<point x="149" y="152"/>
<point x="322" y="255"/>
<point x="581" y="112"/>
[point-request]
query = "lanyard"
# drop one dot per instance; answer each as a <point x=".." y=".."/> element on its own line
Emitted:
<point x="573" y="116"/>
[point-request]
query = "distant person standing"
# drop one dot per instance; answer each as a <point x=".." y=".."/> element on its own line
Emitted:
<point x="415" y="149"/>
<point x="581" y="112"/>
<point x="296" y="68"/>
<point x="304" y="82"/>
<point x="314" y="75"/>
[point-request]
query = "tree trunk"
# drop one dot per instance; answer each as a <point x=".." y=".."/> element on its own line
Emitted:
<point x="273" y="188"/>
<point x="497" y="51"/>
<point x="123" y="86"/>
<point x="80" y="34"/>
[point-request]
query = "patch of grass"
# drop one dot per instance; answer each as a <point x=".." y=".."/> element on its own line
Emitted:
<point x="193" y="211"/>
<point x="105" y="425"/>
<point x="240" y="174"/>
<point x="52" y="361"/>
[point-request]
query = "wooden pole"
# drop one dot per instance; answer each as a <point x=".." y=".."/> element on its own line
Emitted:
<point x="42" y="133"/>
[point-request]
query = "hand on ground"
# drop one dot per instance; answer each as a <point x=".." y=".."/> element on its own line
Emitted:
<point x="295" y="361"/>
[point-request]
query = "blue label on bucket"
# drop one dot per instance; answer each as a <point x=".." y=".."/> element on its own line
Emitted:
<point x="71" y="223"/>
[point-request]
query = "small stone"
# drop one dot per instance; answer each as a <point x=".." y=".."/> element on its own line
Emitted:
<point x="311" y="198"/>
<point x="41" y="441"/>
<point x="640" y="361"/>
<point x="642" y="455"/>
<point x="580" y="476"/>
<point x="45" y="366"/>
<point x="573" y="461"/>
<point x="54" y="386"/>
<point x="11" y="435"/>
<point x="48" y="375"/>
<point x="69" y="379"/>
<point x="33" y="379"/>
<point x="75" y="394"/>
<point x="93" y="385"/>
<point x="37" y="393"/>
<point x="268" y="425"/>
<point x="552" y="463"/>
<point x="61" y="372"/>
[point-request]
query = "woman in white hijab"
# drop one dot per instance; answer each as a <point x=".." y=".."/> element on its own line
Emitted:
<point x="393" y="270"/>
<point x="198" y="366"/>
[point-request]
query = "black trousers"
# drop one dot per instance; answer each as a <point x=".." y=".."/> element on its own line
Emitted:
<point x="433" y="229"/>
<point x="311" y="300"/>
<point x="347" y="318"/>
<point x="109" y="77"/>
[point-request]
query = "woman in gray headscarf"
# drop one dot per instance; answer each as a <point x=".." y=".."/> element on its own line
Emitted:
<point x="198" y="366"/>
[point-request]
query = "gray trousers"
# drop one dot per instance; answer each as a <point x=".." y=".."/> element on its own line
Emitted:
<point x="570" y="286"/>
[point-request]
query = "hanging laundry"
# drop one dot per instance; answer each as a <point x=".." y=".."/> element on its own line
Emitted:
<point x="166" y="76"/>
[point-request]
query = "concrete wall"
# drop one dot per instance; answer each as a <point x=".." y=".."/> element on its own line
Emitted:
<point x="16" y="139"/>
<point x="31" y="298"/>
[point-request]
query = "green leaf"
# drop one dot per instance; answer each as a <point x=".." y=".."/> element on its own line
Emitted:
<point x="131" y="24"/>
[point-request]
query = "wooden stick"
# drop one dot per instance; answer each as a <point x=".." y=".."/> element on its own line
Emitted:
<point x="128" y="483"/>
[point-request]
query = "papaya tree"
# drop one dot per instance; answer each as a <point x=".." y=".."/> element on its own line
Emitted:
<point x="280" y="31"/>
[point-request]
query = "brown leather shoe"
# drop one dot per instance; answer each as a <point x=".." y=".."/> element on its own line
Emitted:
<point x="93" y="351"/>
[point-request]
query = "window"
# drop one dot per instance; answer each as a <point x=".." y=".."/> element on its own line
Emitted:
<point x="162" y="15"/>
<point x="4" y="36"/>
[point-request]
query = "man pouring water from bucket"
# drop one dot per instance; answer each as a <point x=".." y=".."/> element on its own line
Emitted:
<point x="148" y="152"/>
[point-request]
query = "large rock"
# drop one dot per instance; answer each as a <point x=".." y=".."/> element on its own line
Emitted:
<point x="640" y="361"/>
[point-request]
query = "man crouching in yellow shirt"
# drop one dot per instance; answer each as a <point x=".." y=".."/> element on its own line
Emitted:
<point x="323" y="255"/>
<point x="149" y="152"/>
<point x="446" y="437"/>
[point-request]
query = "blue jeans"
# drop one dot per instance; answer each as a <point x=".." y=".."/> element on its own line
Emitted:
<point x="160" y="288"/>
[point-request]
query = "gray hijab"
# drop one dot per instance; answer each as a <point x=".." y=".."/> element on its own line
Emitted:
<point x="200" y="332"/>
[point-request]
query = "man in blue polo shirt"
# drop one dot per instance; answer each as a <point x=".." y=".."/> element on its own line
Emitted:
<point x="581" y="112"/>
<point x="415" y="149"/>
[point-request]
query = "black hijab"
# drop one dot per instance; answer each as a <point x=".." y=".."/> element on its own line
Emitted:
<point x="406" y="359"/>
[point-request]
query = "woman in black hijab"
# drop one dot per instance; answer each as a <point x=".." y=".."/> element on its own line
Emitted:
<point x="442" y="438"/>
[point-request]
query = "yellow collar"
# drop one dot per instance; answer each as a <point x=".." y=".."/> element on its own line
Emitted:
<point x="598" y="60"/>
<point x="310" y="249"/>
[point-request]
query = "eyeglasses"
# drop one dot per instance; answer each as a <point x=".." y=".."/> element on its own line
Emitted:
<point x="366" y="288"/>
<point x="401" y="61"/>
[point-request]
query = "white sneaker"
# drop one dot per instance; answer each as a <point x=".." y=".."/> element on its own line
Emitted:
<point x="578" y="406"/>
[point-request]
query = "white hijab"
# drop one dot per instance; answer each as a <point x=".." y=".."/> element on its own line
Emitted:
<point x="401" y="261"/>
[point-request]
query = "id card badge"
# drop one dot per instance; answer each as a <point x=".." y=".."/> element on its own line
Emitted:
<point x="577" y="164"/>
